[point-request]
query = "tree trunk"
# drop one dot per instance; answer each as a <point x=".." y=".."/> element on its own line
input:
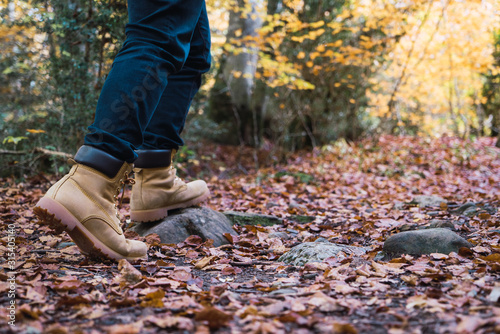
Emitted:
<point x="231" y="103"/>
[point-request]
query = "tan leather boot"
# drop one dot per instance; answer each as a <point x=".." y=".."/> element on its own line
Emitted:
<point x="83" y="203"/>
<point x="157" y="189"/>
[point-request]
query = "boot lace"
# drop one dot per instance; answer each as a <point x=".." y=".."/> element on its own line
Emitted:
<point x="177" y="180"/>
<point x="124" y="181"/>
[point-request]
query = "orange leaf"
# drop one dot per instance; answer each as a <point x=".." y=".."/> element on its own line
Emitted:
<point x="215" y="317"/>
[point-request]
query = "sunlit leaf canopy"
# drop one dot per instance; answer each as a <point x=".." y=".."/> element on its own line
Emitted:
<point x="430" y="55"/>
<point x="419" y="64"/>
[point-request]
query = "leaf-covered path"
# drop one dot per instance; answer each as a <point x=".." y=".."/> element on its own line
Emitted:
<point x="356" y="194"/>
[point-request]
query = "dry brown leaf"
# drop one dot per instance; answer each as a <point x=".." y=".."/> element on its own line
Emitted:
<point x="215" y="317"/>
<point x="204" y="262"/>
<point x="323" y="302"/>
<point x="171" y="322"/>
<point x="129" y="275"/>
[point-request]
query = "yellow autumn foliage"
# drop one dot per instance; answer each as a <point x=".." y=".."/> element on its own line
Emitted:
<point x="428" y="62"/>
<point x="427" y="58"/>
<point x="439" y="63"/>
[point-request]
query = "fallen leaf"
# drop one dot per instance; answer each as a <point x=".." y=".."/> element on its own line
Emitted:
<point x="324" y="303"/>
<point x="153" y="299"/>
<point x="133" y="328"/>
<point x="494" y="295"/>
<point x="215" y="317"/>
<point x="230" y="271"/>
<point x="204" y="262"/>
<point x="129" y="275"/>
<point x="181" y="274"/>
<point x="495" y="257"/>
<point x="73" y="284"/>
<point x="173" y="284"/>
<point x="171" y="322"/>
<point x="343" y="328"/>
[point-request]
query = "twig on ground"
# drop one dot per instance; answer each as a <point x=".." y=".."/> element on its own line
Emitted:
<point x="42" y="150"/>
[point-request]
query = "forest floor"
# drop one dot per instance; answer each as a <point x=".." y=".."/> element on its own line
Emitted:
<point x="357" y="194"/>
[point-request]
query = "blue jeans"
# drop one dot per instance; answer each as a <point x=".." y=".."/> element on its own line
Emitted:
<point x="146" y="97"/>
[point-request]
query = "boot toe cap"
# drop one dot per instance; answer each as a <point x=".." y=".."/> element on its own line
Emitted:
<point x="198" y="188"/>
<point x="137" y="249"/>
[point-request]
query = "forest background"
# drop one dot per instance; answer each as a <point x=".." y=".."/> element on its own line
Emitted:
<point x="288" y="75"/>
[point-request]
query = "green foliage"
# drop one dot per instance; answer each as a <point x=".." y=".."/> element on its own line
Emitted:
<point x="307" y="93"/>
<point x="74" y="43"/>
<point x="299" y="176"/>
<point x="316" y="64"/>
<point x="14" y="140"/>
<point x="84" y="37"/>
<point x="336" y="107"/>
<point x="185" y="154"/>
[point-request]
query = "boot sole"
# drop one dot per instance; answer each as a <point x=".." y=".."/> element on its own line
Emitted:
<point x="59" y="219"/>
<point x="146" y="216"/>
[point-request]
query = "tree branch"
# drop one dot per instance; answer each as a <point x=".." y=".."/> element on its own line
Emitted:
<point x="41" y="150"/>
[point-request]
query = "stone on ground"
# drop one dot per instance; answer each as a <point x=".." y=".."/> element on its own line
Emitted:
<point x="243" y="218"/>
<point x="471" y="209"/>
<point x="437" y="223"/>
<point x="180" y="224"/>
<point x="424" y="201"/>
<point x="279" y="235"/>
<point x="435" y="240"/>
<point x="319" y="251"/>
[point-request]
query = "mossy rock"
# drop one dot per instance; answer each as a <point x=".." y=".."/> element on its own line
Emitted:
<point x="302" y="219"/>
<point x="243" y="218"/>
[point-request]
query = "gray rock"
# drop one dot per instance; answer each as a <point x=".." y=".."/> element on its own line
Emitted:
<point x="321" y="239"/>
<point x="285" y="291"/>
<point x="434" y="223"/>
<point x="279" y="235"/>
<point x="433" y="213"/>
<point x="408" y="227"/>
<point x="65" y="244"/>
<point x="435" y="240"/>
<point x="318" y="251"/>
<point x="462" y="208"/>
<point x="180" y="224"/>
<point x="302" y="219"/>
<point x="427" y="201"/>
<point x="399" y="205"/>
<point x="32" y="330"/>
<point x="472" y="211"/>
<point x="437" y="223"/>
<point x="380" y="256"/>
<point x="243" y="218"/>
